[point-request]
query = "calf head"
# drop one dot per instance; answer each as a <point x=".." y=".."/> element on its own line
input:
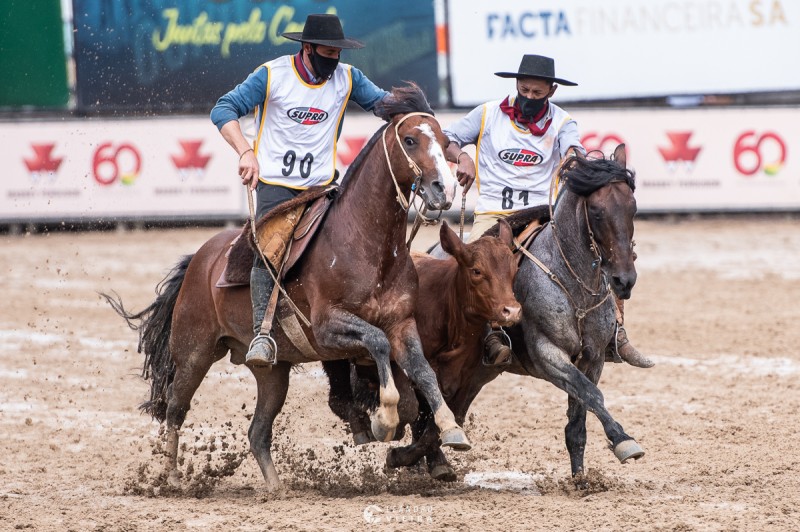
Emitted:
<point x="486" y="270"/>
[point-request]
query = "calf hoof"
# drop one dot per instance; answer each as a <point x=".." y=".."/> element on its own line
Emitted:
<point x="361" y="438"/>
<point x="443" y="472"/>
<point x="380" y="432"/>
<point x="391" y="459"/>
<point x="455" y="439"/>
<point x="628" y="449"/>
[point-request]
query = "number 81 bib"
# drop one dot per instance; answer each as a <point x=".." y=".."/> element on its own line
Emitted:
<point x="514" y="166"/>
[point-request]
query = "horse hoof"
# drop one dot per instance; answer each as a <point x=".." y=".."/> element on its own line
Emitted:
<point x="275" y="488"/>
<point x="628" y="449"/>
<point x="455" y="439"/>
<point x="381" y="433"/>
<point x="444" y="473"/>
<point x="361" y="438"/>
<point x="174" y="479"/>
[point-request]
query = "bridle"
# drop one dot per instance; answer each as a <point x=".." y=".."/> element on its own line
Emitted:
<point x="405" y="204"/>
<point x="401" y="199"/>
<point x="602" y="286"/>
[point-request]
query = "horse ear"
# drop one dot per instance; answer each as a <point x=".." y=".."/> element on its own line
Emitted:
<point x="450" y="241"/>
<point x="620" y="156"/>
<point x="506" y="235"/>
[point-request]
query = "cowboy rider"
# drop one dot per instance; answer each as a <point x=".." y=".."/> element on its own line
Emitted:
<point x="299" y="103"/>
<point x="520" y="142"/>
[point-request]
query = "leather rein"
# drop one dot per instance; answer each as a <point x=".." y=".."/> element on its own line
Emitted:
<point x="602" y="286"/>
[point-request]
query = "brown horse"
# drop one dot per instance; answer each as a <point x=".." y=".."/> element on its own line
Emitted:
<point x="356" y="282"/>
<point x="459" y="295"/>
<point x="581" y="256"/>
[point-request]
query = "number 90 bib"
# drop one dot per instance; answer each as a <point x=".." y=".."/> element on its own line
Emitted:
<point x="297" y="125"/>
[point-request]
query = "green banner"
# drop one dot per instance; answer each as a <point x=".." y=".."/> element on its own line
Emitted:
<point x="33" y="65"/>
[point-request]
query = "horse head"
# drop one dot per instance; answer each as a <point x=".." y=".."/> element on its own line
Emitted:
<point x="606" y="187"/>
<point x="417" y="156"/>
<point x="488" y="268"/>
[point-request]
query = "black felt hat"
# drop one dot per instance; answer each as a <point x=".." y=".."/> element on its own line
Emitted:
<point x="536" y="66"/>
<point x="325" y="30"/>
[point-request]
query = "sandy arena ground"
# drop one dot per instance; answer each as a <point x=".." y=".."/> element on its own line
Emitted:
<point x="716" y="306"/>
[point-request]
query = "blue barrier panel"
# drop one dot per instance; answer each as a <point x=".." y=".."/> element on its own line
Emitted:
<point x="138" y="56"/>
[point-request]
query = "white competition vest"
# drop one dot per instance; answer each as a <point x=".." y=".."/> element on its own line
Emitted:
<point x="296" y="143"/>
<point x="514" y="166"/>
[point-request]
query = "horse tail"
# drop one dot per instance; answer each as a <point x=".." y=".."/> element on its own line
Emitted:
<point x="154" y="324"/>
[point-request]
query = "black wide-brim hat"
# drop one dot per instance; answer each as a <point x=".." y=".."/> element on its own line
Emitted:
<point x="325" y="30"/>
<point x="536" y="66"/>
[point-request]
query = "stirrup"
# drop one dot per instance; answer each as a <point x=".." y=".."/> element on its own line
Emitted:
<point x="271" y="361"/>
<point x="507" y="361"/>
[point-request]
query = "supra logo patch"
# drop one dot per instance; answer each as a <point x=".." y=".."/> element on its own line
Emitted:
<point x="308" y="116"/>
<point x="520" y="157"/>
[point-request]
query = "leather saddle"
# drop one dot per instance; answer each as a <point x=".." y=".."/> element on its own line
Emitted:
<point x="283" y="235"/>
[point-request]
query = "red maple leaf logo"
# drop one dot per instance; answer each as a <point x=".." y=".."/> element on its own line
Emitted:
<point x="190" y="159"/>
<point x="680" y="150"/>
<point x="43" y="161"/>
<point x="353" y="146"/>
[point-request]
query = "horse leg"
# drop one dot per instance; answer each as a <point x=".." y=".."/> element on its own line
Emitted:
<point x="552" y="364"/>
<point x="273" y="383"/>
<point x="190" y="370"/>
<point x="591" y="364"/>
<point x="343" y="331"/>
<point x="407" y="349"/>
<point x="575" y="434"/>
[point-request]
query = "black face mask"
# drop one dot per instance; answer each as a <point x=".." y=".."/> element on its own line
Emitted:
<point x="530" y="107"/>
<point x="323" y="66"/>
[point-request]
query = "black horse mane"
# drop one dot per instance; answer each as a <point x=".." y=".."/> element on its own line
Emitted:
<point x="402" y="100"/>
<point x="583" y="175"/>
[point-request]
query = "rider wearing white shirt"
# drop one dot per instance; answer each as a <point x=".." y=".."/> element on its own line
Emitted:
<point x="520" y="142"/>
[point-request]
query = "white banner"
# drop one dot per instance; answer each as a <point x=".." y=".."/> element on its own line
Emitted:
<point x="149" y="169"/>
<point x="720" y="160"/>
<point x="99" y="169"/>
<point x="626" y="48"/>
<point x="685" y="160"/>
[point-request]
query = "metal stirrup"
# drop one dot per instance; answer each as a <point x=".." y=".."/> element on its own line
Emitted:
<point x="274" y="358"/>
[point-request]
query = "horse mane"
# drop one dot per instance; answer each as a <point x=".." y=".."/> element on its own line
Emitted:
<point x="583" y="175"/>
<point x="401" y="100"/>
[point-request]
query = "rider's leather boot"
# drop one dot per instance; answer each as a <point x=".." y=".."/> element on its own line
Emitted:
<point x="262" y="350"/>
<point x="496" y="351"/>
<point x="622" y="346"/>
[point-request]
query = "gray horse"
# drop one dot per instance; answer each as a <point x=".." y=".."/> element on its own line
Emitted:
<point x="583" y="254"/>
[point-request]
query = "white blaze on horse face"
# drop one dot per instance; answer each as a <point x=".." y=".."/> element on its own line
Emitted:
<point x="445" y="176"/>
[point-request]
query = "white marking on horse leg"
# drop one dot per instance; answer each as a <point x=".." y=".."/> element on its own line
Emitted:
<point x="333" y="261"/>
<point x="444" y="418"/>
<point x="386" y="416"/>
<point x="171" y="457"/>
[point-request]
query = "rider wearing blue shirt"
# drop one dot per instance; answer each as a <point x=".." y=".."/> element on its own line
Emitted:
<point x="313" y="83"/>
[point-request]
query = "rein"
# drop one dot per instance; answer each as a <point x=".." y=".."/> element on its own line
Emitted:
<point x="275" y="279"/>
<point x="602" y="289"/>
